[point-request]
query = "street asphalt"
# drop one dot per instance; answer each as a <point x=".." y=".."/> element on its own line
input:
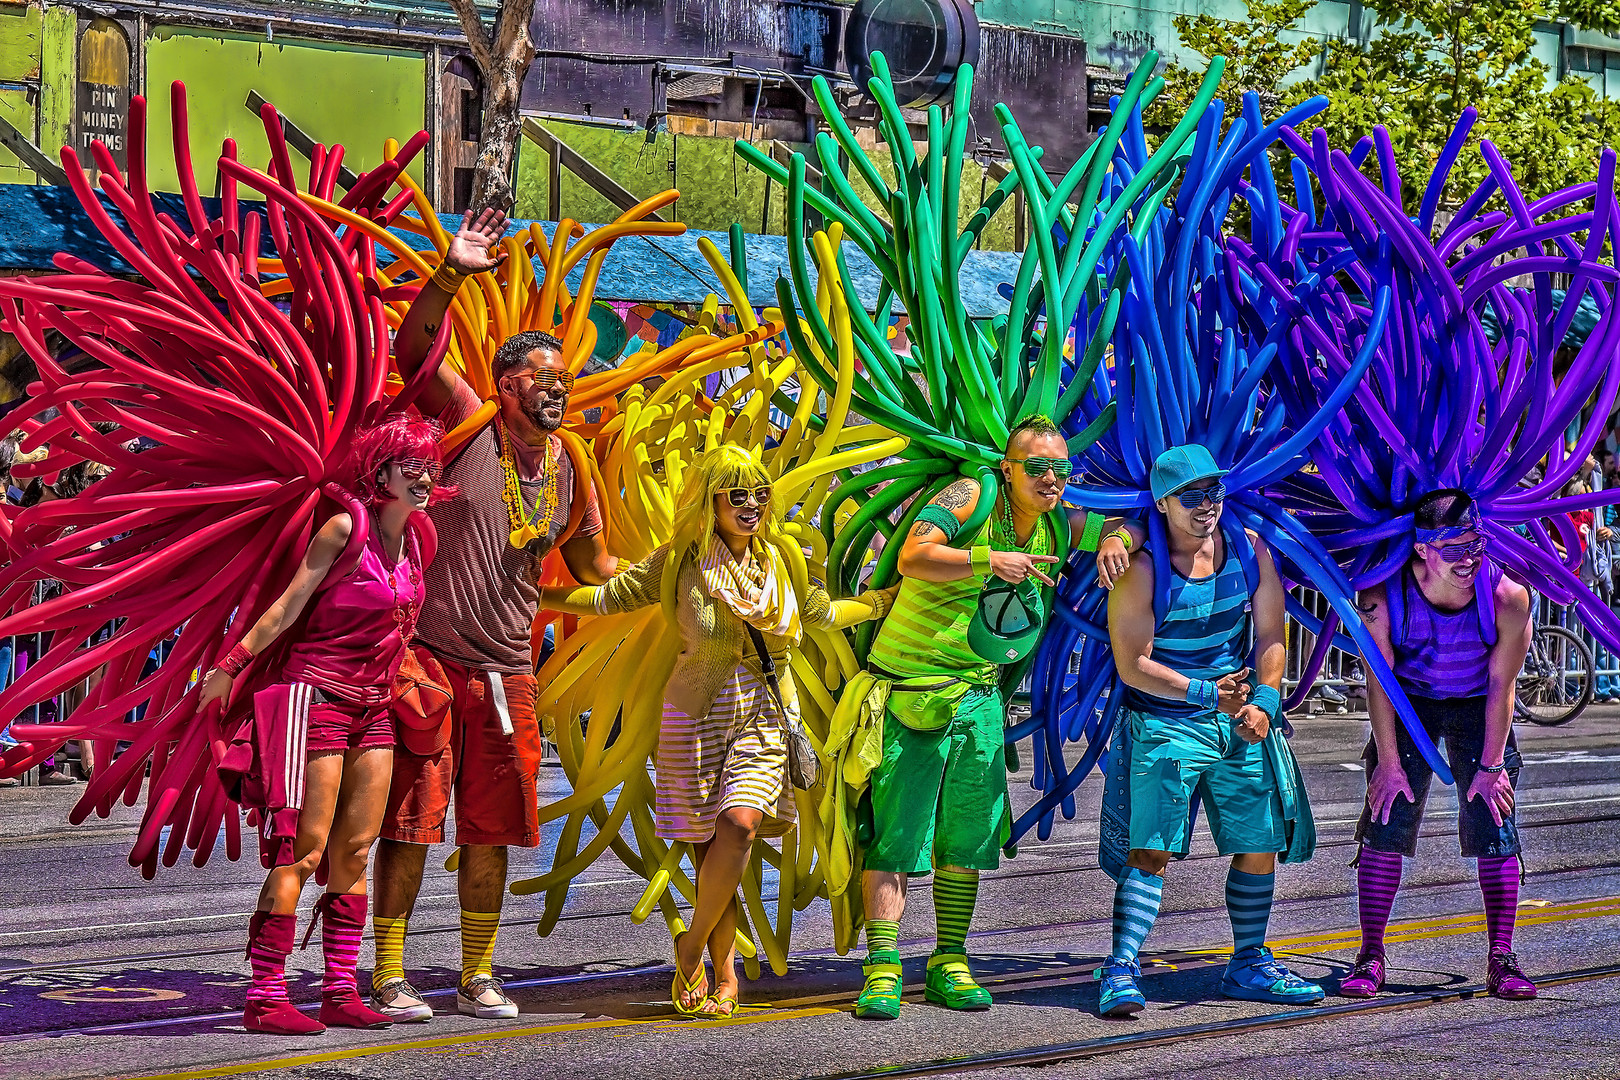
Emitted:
<point x="104" y="974"/>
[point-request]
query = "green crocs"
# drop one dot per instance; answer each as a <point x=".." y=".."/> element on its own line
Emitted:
<point x="880" y="997"/>
<point x="950" y="983"/>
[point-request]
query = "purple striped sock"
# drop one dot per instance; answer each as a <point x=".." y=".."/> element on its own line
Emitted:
<point x="270" y="939"/>
<point x="1499" y="882"/>
<point x="341" y="928"/>
<point x="1378" y="876"/>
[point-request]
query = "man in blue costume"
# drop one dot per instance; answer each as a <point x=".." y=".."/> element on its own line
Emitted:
<point x="1196" y="727"/>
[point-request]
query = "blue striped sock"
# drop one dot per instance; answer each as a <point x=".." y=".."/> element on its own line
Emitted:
<point x="1248" y="903"/>
<point x="1136" y="906"/>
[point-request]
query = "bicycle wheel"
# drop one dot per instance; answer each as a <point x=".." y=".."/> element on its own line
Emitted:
<point x="1556" y="685"/>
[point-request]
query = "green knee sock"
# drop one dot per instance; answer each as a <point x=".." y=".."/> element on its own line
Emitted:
<point x="882" y="936"/>
<point x="954" y="896"/>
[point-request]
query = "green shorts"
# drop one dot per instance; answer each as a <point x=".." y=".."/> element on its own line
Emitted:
<point x="1171" y="758"/>
<point x="940" y="797"/>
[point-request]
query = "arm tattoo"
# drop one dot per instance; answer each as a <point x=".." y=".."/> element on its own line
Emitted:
<point x="924" y="528"/>
<point x="956" y="496"/>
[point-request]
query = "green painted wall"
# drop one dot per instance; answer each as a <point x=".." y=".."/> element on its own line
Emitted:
<point x="19" y="43"/>
<point x="58" y="38"/>
<point x="356" y="97"/>
<point x="20" y="31"/>
<point x="716" y="186"/>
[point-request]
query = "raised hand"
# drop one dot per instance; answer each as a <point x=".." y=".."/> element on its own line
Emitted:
<point x="472" y="248"/>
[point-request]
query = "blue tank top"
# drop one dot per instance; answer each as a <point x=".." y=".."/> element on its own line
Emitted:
<point x="1206" y="632"/>
<point x="1438" y="654"/>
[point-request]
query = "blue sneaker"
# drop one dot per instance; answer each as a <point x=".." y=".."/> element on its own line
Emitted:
<point x="1117" y="993"/>
<point x="1255" y="975"/>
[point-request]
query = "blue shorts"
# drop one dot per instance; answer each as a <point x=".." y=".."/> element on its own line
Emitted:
<point x="1460" y="722"/>
<point x="1172" y="758"/>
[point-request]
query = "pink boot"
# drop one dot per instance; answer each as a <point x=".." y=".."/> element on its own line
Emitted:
<point x="270" y="939"/>
<point x="341" y="1005"/>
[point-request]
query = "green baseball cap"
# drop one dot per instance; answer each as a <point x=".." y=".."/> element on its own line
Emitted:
<point x="1008" y="620"/>
<point x="1182" y="465"/>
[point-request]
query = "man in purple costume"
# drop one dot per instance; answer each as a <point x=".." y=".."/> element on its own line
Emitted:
<point x="1456" y="644"/>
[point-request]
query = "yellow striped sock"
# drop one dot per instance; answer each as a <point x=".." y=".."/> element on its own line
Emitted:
<point x="389" y="937"/>
<point x="478" y="943"/>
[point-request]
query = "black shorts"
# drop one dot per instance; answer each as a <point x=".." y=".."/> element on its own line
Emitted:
<point x="1460" y="722"/>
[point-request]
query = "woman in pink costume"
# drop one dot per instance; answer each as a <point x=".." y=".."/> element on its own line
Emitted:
<point x="325" y="729"/>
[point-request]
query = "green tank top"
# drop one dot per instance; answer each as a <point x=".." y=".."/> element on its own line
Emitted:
<point x="925" y="633"/>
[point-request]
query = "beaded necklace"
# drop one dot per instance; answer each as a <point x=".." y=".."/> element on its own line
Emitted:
<point x="1009" y="532"/>
<point x="527" y="528"/>
<point x="405" y="611"/>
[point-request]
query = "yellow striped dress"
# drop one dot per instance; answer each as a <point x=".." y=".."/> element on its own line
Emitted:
<point x="723" y="740"/>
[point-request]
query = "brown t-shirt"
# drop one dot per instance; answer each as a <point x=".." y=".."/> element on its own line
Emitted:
<point x="483" y="593"/>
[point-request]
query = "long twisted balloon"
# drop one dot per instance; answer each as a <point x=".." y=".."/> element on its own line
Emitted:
<point x="1192" y="364"/>
<point x="252" y="405"/>
<point x="1443" y="405"/>
<point x="963" y="384"/>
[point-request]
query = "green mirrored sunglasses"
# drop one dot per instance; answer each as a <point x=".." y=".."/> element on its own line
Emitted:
<point x="1037" y="466"/>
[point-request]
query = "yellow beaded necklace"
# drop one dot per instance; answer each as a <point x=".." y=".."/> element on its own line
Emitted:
<point x="527" y="528"/>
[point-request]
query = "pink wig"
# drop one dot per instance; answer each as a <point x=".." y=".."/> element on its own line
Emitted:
<point x="393" y="440"/>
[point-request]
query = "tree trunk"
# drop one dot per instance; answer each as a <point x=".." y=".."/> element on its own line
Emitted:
<point x="504" y="61"/>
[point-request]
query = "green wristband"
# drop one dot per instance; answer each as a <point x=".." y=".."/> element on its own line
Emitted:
<point x="1093" y="532"/>
<point x="941" y="519"/>
<point x="979" y="559"/>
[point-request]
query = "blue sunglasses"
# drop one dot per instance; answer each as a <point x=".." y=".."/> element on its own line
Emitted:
<point x="1192" y="500"/>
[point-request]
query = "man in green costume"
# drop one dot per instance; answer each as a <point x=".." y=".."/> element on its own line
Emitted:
<point x="939" y="798"/>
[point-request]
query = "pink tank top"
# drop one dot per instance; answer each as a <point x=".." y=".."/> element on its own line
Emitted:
<point x="355" y="637"/>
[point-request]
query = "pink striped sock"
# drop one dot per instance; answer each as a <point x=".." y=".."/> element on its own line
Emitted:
<point x="1499" y="883"/>
<point x="1378" y="876"/>
<point x="270" y="939"/>
<point x="340" y="937"/>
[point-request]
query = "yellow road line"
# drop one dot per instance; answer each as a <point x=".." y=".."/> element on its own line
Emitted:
<point x="1407" y="930"/>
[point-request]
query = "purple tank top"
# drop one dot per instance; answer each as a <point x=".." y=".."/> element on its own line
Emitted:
<point x="353" y="642"/>
<point x="1439" y="654"/>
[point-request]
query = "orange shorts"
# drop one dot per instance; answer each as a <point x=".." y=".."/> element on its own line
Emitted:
<point x="491" y="774"/>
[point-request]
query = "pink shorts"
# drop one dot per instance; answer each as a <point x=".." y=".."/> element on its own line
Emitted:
<point x="335" y="724"/>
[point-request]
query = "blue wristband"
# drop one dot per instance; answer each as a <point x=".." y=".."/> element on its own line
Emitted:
<point x="1268" y="698"/>
<point x="1203" y="693"/>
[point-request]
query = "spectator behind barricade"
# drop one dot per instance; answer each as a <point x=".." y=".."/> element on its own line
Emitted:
<point x="70" y="483"/>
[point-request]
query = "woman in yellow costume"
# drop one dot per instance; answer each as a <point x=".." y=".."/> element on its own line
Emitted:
<point x="736" y="586"/>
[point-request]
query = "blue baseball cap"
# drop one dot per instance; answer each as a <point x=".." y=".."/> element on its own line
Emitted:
<point x="1182" y="465"/>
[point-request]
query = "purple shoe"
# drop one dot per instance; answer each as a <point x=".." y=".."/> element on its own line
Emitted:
<point x="1366" y="978"/>
<point x="1506" y="980"/>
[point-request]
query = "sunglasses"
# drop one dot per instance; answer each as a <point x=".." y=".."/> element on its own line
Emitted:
<point x="1038" y="466"/>
<point x="414" y="467"/>
<point x="548" y="378"/>
<point x="1192" y="500"/>
<point x="1458" y="552"/>
<point x="743" y="496"/>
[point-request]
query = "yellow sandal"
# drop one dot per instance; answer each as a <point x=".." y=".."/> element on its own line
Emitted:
<point x="697" y="986"/>
<point x="726" y="1006"/>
